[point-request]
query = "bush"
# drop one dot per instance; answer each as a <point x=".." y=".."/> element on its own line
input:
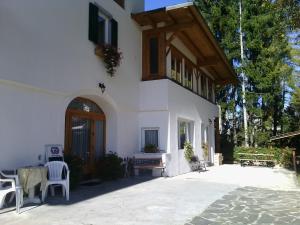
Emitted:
<point x="188" y="151"/>
<point x="75" y="165"/>
<point x="110" y="167"/>
<point x="282" y="156"/>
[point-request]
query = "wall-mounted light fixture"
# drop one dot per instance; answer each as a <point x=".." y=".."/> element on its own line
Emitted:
<point x="102" y="87"/>
<point x="210" y="121"/>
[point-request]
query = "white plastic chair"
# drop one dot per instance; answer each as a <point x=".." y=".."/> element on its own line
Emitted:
<point x="54" y="153"/>
<point x="55" y="174"/>
<point x="14" y="188"/>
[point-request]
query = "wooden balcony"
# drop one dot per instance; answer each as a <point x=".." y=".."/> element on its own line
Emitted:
<point x="178" y="45"/>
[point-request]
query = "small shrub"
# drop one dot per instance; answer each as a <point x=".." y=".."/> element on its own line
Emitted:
<point x="188" y="151"/>
<point x="110" y="167"/>
<point x="75" y="165"/>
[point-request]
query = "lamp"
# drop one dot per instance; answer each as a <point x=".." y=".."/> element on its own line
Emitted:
<point x="102" y="87"/>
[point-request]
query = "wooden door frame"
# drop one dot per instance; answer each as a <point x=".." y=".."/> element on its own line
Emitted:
<point x="87" y="115"/>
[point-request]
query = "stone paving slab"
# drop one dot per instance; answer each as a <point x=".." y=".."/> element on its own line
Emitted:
<point x="250" y="205"/>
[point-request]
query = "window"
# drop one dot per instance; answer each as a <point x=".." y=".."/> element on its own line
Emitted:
<point x="173" y="68"/>
<point x="185" y="133"/>
<point x="150" y="136"/>
<point x="178" y="70"/>
<point x="203" y="86"/>
<point x="102" y="28"/>
<point x="176" y="62"/>
<point x="204" y="133"/>
<point x="120" y="3"/>
<point x="188" y="77"/>
<point x="154" y="65"/>
<point x="210" y="96"/>
<point x="153" y="55"/>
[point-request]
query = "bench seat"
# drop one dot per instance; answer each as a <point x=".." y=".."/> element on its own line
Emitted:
<point x="257" y="159"/>
<point x="150" y="164"/>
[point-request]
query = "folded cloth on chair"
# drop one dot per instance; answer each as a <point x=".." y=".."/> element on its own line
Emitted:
<point x="31" y="176"/>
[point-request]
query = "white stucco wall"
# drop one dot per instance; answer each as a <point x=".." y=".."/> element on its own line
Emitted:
<point x="46" y="60"/>
<point x="163" y="103"/>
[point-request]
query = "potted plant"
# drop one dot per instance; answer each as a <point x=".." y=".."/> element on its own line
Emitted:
<point x="188" y="152"/>
<point x="111" y="57"/>
<point x="150" y="148"/>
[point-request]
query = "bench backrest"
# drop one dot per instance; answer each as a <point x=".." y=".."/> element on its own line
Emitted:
<point x="147" y="162"/>
<point x="256" y="156"/>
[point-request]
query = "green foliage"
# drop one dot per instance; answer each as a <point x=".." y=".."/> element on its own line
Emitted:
<point x="150" y="148"/>
<point x="188" y="151"/>
<point x="282" y="156"/>
<point x="75" y="165"/>
<point x="110" y="167"/>
<point x="267" y="64"/>
<point x="112" y="58"/>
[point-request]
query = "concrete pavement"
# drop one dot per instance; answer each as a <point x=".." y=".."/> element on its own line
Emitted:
<point x="162" y="201"/>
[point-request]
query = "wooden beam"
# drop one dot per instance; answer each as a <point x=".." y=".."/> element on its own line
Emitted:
<point x="173" y="27"/>
<point x="171" y="38"/>
<point x="190" y="45"/>
<point x="151" y="21"/>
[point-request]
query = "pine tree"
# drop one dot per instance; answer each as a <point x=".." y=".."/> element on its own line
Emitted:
<point x="268" y="64"/>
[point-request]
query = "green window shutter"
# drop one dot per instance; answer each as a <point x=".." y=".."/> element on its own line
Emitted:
<point x="114" y="33"/>
<point x="93" y="23"/>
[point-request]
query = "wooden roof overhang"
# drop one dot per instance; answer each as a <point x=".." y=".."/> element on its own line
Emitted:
<point x="185" y="22"/>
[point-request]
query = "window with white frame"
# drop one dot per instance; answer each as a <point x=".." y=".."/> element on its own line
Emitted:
<point x="185" y="132"/>
<point x="150" y="136"/>
<point x="204" y="134"/>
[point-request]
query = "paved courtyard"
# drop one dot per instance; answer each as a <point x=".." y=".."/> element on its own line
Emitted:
<point x="227" y="194"/>
<point x="252" y="206"/>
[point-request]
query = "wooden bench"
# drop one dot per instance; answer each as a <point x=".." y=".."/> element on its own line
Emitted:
<point x="148" y="164"/>
<point x="252" y="159"/>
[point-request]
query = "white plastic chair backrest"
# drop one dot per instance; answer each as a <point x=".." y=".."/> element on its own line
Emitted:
<point x="55" y="169"/>
<point x="54" y="152"/>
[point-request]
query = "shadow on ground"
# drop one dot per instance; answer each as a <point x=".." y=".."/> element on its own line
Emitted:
<point x="85" y="192"/>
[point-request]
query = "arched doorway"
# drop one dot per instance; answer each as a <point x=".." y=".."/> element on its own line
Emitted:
<point x="85" y="132"/>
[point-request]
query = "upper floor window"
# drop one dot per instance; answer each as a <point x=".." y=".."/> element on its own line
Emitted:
<point x="120" y="3"/>
<point x="210" y="90"/>
<point x="188" y="76"/>
<point x="203" y="86"/>
<point x="176" y="66"/>
<point x="153" y="56"/>
<point x="103" y="29"/>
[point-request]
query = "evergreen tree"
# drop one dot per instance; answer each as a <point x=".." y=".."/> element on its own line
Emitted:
<point x="268" y="65"/>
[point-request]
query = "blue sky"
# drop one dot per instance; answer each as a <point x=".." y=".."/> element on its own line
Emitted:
<point x="154" y="4"/>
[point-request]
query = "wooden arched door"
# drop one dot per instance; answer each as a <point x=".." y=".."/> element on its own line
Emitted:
<point x="85" y="132"/>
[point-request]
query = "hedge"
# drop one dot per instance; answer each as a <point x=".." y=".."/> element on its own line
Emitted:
<point x="282" y="156"/>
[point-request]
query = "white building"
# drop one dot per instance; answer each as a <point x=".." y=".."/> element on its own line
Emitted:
<point x="162" y="93"/>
